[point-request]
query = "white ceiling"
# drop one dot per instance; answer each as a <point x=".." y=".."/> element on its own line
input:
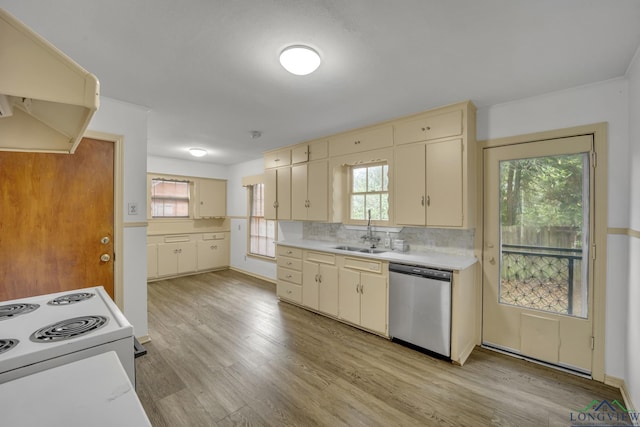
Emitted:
<point x="208" y="69"/>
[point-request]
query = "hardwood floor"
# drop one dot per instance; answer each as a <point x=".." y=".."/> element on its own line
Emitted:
<point x="225" y="352"/>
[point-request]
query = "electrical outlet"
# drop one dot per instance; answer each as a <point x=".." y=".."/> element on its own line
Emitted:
<point x="133" y="208"/>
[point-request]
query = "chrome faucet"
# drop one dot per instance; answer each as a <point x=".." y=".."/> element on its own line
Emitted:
<point x="373" y="240"/>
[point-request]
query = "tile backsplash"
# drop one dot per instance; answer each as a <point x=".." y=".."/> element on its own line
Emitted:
<point x="450" y="241"/>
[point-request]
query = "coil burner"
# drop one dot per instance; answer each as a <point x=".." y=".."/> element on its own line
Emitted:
<point x="71" y="298"/>
<point x="7" y="344"/>
<point x="12" y="310"/>
<point x="70" y="328"/>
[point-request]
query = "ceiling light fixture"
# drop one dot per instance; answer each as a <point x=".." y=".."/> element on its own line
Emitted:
<point x="300" y="60"/>
<point x="197" y="152"/>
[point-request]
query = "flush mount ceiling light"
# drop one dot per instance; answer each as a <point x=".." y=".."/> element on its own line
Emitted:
<point x="197" y="152"/>
<point x="299" y="60"/>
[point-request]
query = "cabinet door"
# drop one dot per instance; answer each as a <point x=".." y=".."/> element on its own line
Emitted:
<point x="278" y="158"/>
<point x="168" y="258"/>
<point x="429" y="127"/>
<point x="373" y="302"/>
<point x="213" y="254"/>
<point x="212" y="198"/>
<point x="299" y="192"/>
<point x="187" y="257"/>
<point x="300" y="154"/>
<point x="310" y="273"/>
<point x="349" y="295"/>
<point x="284" y="193"/>
<point x="409" y="173"/>
<point x="152" y="261"/>
<point x="270" y="193"/>
<point x="444" y="184"/>
<point x="357" y="142"/>
<point x="328" y="289"/>
<point x="318" y="191"/>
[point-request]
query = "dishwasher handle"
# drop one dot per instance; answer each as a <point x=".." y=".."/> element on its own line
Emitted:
<point x="414" y="270"/>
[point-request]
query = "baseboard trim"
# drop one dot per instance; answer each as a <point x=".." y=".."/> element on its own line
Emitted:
<point x="257" y="276"/>
<point x="622" y="386"/>
<point x="144" y="339"/>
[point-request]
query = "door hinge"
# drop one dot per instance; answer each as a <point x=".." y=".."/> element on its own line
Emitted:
<point x="594" y="159"/>
<point x="593" y="343"/>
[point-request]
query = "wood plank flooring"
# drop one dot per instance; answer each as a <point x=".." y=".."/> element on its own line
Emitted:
<point x="226" y="352"/>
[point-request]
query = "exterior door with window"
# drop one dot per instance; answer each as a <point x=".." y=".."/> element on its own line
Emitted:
<point x="537" y="270"/>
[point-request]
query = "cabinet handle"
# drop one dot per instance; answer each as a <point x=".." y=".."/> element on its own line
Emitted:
<point x="357" y="288"/>
<point x="215" y="246"/>
<point x="276" y="160"/>
<point x="319" y="278"/>
<point x="275" y="204"/>
<point x="289" y="252"/>
<point x="288" y="276"/>
<point x="428" y="200"/>
<point x="426" y="128"/>
<point x="289" y="263"/>
<point x="316" y="278"/>
<point x="422" y="202"/>
<point x="288" y="291"/>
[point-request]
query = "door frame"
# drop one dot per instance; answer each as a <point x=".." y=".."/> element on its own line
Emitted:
<point x="118" y="224"/>
<point x="599" y="132"/>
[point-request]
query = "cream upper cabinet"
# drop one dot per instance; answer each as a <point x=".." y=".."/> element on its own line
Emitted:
<point x="277" y="193"/>
<point x="211" y="198"/>
<point x="278" y="158"/>
<point x="310" y="151"/>
<point x="309" y="191"/>
<point x="428" y="184"/>
<point x="364" y="140"/>
<point x="428" y="127"/>
<point x="320" y="282"/>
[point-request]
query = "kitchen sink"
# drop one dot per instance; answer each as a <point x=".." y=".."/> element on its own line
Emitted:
<point x="357" y="249"/>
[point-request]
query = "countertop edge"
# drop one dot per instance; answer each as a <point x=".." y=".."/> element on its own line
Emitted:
<point x="425" y="259"/>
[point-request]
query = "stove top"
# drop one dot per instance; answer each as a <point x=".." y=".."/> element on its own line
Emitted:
<point x="9" y="311"/>
<point x="47" y="326"/>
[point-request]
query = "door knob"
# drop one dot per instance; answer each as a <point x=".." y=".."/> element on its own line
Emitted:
<point x="105" y="257"/>
<point x="105" y="240"/>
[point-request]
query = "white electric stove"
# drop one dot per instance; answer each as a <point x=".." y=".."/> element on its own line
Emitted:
<point x="46" y="331"/>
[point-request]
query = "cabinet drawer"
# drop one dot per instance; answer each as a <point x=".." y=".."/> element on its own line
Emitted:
<point x="213" y="236"/>
<point x="290" y="275"/>
<point x="277" y="158"/>
<point x="289" y="291"/>
<point x="361" y="141"/>
<point x="290" y="252"/>
<point x="321" y="257"/>
<point x="177" y="239"/>
<point x="363" y="264"/>
<point x="292" y="263"/>
<point x="430" y="127"/>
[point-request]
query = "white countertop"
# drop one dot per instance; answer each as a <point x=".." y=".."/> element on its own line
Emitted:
<point x="426" y="259"/>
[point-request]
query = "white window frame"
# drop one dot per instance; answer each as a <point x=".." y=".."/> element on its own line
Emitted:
<point x="186" y="199"/>
<point x="350" y="193"/>
<point x="258" y="226"/>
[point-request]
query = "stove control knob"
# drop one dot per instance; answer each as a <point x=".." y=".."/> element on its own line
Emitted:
<point x="105" y="257"/>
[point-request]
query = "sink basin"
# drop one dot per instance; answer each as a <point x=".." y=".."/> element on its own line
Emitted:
<point x="357" y="249"/>
<point x="348" y="248"/>
<point x="372" y="251"/>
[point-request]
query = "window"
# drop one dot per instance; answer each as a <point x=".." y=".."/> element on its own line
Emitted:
<point x="369" y="190"/>
<point x="169" y="198"/>
<point x="262" y="232"/>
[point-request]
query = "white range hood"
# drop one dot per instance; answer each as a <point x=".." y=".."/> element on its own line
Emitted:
<point x="46" y="99"/>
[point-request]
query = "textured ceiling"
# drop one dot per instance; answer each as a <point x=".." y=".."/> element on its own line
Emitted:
<point x="208" y="69"/>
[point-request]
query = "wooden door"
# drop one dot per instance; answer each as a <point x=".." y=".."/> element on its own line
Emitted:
<point x="55" y="210"/>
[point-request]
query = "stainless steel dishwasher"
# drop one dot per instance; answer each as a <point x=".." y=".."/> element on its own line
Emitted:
<point x="420" y="307"/>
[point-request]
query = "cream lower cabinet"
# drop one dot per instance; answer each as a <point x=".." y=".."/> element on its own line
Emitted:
<point x="289" y="273"/>
<point x="320" y="282"/>
<point x="176" y="257"/>
<point x="363" y="293"/>
<point x="428" y="187"/>
<point x="152" y="261"/>
<point x="213" y="251"/>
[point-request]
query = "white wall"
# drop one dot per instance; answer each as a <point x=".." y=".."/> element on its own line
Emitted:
<point x="603" y="102"/>
<point x="237" y="209"/>
<point x="186" y="168"/>
<point x="129" y="120"/>
<point x="632" y="379"/>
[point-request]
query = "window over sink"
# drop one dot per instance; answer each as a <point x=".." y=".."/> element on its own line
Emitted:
<point x="369" y="191"/>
